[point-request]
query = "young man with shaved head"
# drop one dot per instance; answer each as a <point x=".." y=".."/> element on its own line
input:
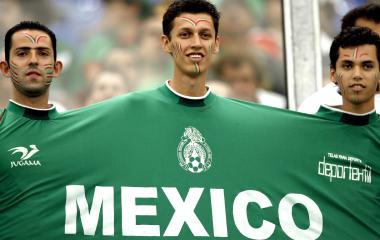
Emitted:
<point x="31" y="64"/>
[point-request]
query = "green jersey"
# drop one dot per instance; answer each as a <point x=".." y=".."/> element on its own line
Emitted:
<point x="154" y="164"/>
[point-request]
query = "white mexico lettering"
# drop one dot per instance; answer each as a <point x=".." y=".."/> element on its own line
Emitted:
<point x="75" y="195"/>
<point x="218" y="207"/>
<point x="130" y="211"/>
<point x="241" y="217"/>
<point x="285" y="213"/>
<point x="184" y="213"/>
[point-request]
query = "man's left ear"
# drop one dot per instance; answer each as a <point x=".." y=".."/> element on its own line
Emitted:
<point x="217" y="42"/>
<point x="57" y="68"/>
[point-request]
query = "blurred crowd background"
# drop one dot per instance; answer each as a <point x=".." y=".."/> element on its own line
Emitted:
<point x="111" y="47"/>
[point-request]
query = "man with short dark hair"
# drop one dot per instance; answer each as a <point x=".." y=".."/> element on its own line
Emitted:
<point x="31" y="63"/>
<point x="354" y="68"/>
<point x="190" y="36"/>
<point x="362" y="16"/>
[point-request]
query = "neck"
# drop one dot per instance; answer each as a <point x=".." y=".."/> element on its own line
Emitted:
<point x="40" y="102"/>
<point x="189" y="86"/>
<point x="360" y="108"/>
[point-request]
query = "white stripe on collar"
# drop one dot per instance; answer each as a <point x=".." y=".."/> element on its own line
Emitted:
<point x="187" y="97"/>
<point x="38" y="109"/>
<point x="351" y="113"/>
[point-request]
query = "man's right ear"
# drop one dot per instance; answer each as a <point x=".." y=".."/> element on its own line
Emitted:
<point x="5" y="69"/>
<point x="165" y="43"/>
<point x="332" y="75"/>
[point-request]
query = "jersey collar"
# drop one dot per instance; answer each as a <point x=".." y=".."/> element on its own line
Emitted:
<point x="339" y="115"/>
<point x="187" y="100"/>
<point x="32" y="113"/>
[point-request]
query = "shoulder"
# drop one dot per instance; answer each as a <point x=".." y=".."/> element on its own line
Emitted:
<point x="328" y="95"/>
<point x="256" y="109"/>
<point x="114" y="105"/>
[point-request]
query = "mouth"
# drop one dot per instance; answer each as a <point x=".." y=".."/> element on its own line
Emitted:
<point x="195" y="56"/>
<point x="357" y="87"/>
<point x="33" y="73"/>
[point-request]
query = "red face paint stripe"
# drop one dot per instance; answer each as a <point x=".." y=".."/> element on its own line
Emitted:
<point x="39" y="37"/>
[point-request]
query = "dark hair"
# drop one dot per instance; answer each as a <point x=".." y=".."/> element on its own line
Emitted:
<point x="177" y="7"/>
<point x="30" y="25"/>
<point x="369" y="12"/>
<point x="353" y="37"/>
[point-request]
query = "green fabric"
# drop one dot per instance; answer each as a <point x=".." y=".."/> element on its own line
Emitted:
<point x="268" y="173"/>
<point x="341" y="116"/>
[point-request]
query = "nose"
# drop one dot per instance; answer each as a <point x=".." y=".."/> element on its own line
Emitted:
<point x="357" y="74"/>
<point x="196" y="43"/>
<point x="33" y="58"/>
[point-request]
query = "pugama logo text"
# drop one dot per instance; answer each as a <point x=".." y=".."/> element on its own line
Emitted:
<point x="25" y="158"/>
<point x="338" y="166"/>
<point x="194" y="154"/>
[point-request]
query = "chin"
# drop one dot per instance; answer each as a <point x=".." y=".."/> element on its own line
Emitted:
<point x="34" y="92"/>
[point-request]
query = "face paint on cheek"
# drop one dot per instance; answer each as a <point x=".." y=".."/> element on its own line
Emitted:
<point x="210" y="49"/>
<point x="176" y="49"/>
<point x="14" y="73"/>
<point x="49" y="70"/>
<point x="338" y="77"/>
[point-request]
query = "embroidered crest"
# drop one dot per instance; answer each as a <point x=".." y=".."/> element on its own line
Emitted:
<point x="194" y="154"/>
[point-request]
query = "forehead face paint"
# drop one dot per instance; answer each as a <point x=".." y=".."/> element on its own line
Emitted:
<point x="194" y="22"/>
<point x="355" y="53"/>
<point x="35" y="39"/>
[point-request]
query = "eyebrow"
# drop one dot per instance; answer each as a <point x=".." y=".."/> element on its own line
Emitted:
<point x="362" y="62"/>
<point x="368" y="61"/>
<point x="30" y="48"/>
<point x="191" y="29"/>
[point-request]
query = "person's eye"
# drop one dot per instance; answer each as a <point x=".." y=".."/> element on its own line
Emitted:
<point x="346" y="66"/>
<point x="21" y="53"/>
<point x="367" y="66"/>
<point x="184" y="35"/>
<point x="206" y="35"/>
<point x="44" y="53"/>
